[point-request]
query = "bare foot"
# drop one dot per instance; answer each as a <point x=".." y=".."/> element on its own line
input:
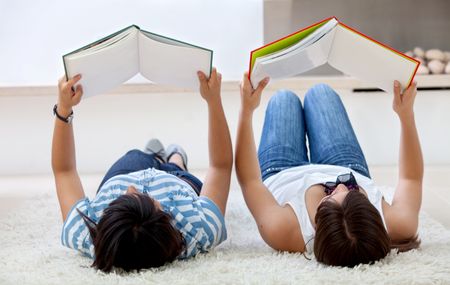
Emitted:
<point x="178" y="160"/>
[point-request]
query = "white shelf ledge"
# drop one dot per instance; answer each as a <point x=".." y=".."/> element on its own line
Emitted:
<point x="297" y="83"/>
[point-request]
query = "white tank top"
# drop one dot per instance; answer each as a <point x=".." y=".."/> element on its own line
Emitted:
<point x="289" y="187"/>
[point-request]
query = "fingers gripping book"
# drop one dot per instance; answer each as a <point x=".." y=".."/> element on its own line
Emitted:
<point x="330" y="41"/>
<point x="112" y="60"/>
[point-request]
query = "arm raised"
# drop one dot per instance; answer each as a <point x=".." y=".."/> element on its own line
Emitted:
<point x="217" y="181"/>
<point x="408" y="195"/>
<point x="277" y="225"/>
<point x="67" y="180"/>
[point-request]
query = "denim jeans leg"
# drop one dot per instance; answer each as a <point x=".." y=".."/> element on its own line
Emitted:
<point x="330" y="133"/>
<point x="190" y="179"/>
<point x="136" y="160"/>
<point x="132" y="161"/>
<point x="282" y="143"/>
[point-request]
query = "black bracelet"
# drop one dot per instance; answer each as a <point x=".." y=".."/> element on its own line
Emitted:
<point x="67" y="120"/>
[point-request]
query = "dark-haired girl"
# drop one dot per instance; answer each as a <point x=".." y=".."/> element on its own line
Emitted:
<point x="324" y="201"/>
<point x="149" y="210"/>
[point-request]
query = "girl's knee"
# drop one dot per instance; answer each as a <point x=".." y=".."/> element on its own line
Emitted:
<point x="284" y="95"/>
<point x="321" y="92"/>
<point x="321" y="89"/>
<point x="134" y="152"/>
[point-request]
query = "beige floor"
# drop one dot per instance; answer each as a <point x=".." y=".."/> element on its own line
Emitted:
<point x="14" y="190"/>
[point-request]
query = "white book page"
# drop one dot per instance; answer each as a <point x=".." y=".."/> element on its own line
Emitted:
<point x="364" y="59"/>
<point x="172" y="64"/>
<point x="104" y="43"/>
<point x="295" y="62"/>
<point x="165" y="40"/>
<point x="307" y="41"/>
<point x="107" y="67"/>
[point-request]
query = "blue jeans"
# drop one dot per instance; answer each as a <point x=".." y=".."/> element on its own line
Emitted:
<point x="323" y="120"/>
<point x="136" y="160"/>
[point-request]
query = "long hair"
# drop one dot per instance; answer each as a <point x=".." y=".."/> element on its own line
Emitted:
<point x="353" y="233"/>
<point x="133" y="234"/>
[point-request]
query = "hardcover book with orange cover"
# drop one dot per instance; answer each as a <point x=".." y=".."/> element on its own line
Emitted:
<point x="330" y="41"/>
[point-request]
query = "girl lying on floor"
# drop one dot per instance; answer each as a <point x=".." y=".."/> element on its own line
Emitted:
<point x="325" y="202"/>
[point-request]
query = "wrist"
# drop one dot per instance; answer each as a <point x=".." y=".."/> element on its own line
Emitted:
<point x="64" y="111"/>
<point x="213" y="98"/>
<point x="246" y="112"/>
<point x="406" y="117"/>
<point x="214" y="101"/>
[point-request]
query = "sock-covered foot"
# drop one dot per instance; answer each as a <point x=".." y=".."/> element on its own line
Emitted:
<point x="154" y="146"/>
<point x="176" y="149"/>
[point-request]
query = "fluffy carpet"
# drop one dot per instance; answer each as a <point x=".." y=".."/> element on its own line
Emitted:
<point x="31" y="253"/>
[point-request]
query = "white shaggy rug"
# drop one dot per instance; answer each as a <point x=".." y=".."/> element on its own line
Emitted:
<point x="31" y="253"/>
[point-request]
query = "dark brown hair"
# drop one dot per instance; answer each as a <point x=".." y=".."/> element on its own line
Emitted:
<point x="133" y="234"/>
<point x="353" y="233"/>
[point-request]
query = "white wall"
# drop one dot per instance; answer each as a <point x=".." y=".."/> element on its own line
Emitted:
<point x="35" y="34"/>
<point x="106" y="126"/>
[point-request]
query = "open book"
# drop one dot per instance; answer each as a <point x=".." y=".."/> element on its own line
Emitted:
<point x="112" y="60"/>
<point x="345" y="49"/>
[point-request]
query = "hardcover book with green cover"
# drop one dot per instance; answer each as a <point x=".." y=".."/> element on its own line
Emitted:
<point x="112" y="60"/>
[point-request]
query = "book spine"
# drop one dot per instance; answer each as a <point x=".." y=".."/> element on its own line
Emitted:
<point x="65" y="68"/>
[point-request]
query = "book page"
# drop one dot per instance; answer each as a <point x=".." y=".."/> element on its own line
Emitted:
<point x="107" y="65"/>
<point x="295" y="62"/>
<point x="283" y="43"/>
<point x="172" y="63"/>
<point x="165" y="40"/>
<point x="315" y="36"/>
<point x="367" y="60"/>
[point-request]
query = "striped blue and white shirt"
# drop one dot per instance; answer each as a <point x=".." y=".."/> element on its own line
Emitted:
<point x="199" y="220"/>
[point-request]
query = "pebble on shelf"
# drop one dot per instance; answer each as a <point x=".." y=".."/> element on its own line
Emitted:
<point x="432" y="61"/>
